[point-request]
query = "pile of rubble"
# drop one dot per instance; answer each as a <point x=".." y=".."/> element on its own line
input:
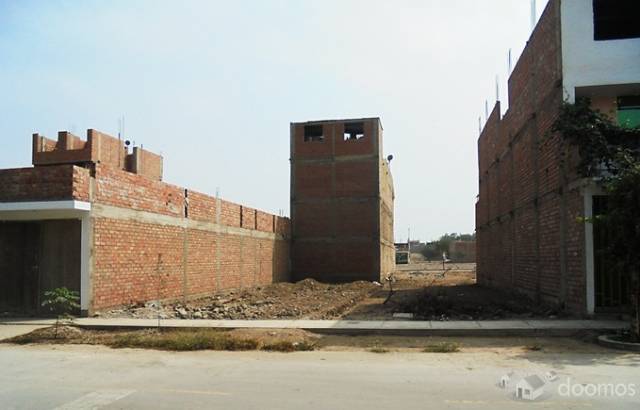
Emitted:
<point x="307" y="299"/>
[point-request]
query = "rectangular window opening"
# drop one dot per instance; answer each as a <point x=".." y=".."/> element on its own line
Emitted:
<point x="629" y="111"/>
<point x="313" y="133"/>
<point x="353" y="131"/>
<point x="616" y="20"/>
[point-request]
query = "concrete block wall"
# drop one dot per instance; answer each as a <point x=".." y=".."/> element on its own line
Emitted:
<point x="528" y="237"/>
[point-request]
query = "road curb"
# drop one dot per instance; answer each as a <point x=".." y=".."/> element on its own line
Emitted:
<point x="610" y="341"/>
<point x="390" y="328"/>
<point x="496" y="328"/>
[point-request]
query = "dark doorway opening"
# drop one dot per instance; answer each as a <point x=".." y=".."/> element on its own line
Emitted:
<point x="36" y="256"/>
<point x="611" y="286"/>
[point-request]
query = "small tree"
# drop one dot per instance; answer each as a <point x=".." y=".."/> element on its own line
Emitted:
<point x="610" y="154"/>
<point x="62" y="302"/>
<point x="435" y="249"/>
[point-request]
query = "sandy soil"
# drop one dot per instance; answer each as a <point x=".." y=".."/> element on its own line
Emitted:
<point x="306" y="299"/>
<point x="424" y="290"/>
<point x="499" y="345"/>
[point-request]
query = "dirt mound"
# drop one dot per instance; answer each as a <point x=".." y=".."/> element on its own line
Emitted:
<point x="306" y="299"/>
<point x="428" y="294"/>
<point x="473" y="302"/>
<point x="53" y="334"/>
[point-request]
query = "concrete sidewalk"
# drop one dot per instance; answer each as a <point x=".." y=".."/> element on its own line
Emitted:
<point x="382" y="327"/>
<point x="12" y="330"/>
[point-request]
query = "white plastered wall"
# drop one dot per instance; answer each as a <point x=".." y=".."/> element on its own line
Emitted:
<point x="586" y="62"/>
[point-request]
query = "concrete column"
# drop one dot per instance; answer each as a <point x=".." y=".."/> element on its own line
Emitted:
<point x="86" y="241"/>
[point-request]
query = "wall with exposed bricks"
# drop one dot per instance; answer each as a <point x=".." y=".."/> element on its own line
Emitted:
<point x="188" y="244"/>
<point x="151" y="240"/>
<point x="53" y="183"/>
<point x="341" y="203"/>
<point x="528" y="237"/>
<point x="99" y="148"/>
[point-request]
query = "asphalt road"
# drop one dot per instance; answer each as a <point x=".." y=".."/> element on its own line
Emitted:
<point x="86" y="377"/>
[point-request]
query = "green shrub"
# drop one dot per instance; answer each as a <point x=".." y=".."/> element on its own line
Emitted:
<point x="62" y="302"/>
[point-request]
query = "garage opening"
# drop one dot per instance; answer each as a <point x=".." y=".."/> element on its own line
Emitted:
<point x="37" y="256"/>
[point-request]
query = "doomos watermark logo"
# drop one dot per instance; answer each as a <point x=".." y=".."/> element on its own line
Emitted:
<point x="532" y="386"/>
<point x="618" y="390"/>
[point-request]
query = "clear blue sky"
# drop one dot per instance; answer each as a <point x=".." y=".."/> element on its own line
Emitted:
<point x="213" y="86"/>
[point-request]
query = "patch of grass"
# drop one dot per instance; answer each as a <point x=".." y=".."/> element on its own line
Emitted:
<point x="183" y="340"/>
<point x="378" y="349"/>
<point x="287" y="346"/>
<point x="443" y="347"/>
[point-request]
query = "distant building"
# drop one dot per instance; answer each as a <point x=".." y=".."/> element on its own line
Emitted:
<point x="403" y="256"/>
<point x="530" y="195"/>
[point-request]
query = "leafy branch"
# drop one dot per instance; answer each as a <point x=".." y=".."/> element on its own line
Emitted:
<point x="610" y="154"/>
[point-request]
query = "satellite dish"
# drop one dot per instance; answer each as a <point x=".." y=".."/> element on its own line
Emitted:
<point x="389" y="158"/>
<point x="127" y="143"/>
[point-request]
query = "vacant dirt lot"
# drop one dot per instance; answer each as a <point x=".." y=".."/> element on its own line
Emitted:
<point x="424" y="290"/>
<point x="307" y="299"/>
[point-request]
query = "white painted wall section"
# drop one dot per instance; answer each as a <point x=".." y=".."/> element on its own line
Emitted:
<point x="586" y="62"/>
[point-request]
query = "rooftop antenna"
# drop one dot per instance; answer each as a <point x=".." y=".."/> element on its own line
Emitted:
<point x="509" y="63"/>
<point x="533" y="14"/>
<point x="486" y="110"/>
<point x="119" y="141"/>
<point x="480" y="124"/>
<point x="497" y="89"/>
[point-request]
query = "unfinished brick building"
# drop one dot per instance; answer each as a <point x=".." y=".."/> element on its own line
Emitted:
<point x="530" y="196"/>
<point x="341" y="201"/>
<point x="96" y="218"/>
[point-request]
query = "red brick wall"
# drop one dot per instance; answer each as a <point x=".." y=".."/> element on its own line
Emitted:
<point x="526" y="213"/>
<point x="146" y="163"/>
<point x="337" y="210"/>
<point x="126" y="190"/>
<point x="66" y="150"/>
<point x="137" y="262"/>
<point x="141" y="260"/>
<point x="99" y="148"/>
<point x="60" y="182"/>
